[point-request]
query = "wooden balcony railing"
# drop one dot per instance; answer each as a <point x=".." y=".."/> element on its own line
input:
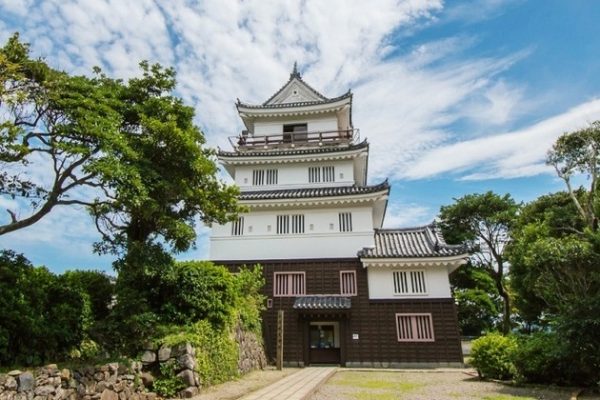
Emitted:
<point x="294" y="139"/>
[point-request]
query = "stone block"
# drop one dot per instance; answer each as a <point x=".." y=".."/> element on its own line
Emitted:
<point x="184" y="348"/>
<point x="11" y="383"/>
<point x="108" y="394"/>
<point x="147" y="379"/>
<point x="186" y="361"/>
<point x="26" y="381"/>
<point x="187" y="376"/>
<point x="164" y="353"/>
<point x="189" y="392"/>
<point x="148" y="357"/>
<point x="14" y="373"/>
<point x="44" y="390"/>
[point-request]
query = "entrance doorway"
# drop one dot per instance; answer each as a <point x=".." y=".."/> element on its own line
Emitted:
<point x="324" y="342"/>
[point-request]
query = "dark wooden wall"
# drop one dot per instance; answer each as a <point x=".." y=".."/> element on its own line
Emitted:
<point x="373" y="320"/>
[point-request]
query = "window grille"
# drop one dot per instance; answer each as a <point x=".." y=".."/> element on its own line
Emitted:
<point x="409" y="282"/>
<point x="283" y="224"/>
<point x="237" y="227"/>
<point x="348" y="283"/>
<point x="261" y="177"/>
<point x="289" y="284"/>
<point x="414" y="328"/>
<point x="321" y="174"/>
<point x="298" y="223"/>
<point x="345" y="222"/>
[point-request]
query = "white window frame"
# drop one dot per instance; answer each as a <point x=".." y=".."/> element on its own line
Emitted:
<point x="345" y="221"/>
<point x="414" y="327"/>
<point x="413" y="280"/>
<point x="237" y="227"/>
<point x="290" y="288"/>
<point x="345" y="283"/>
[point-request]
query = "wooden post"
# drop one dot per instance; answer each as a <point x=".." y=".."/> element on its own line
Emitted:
<point x="279" y="361"/>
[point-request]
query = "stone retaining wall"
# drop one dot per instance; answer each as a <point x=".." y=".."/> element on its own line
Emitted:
<point x="117" y="381"/>
<point x="112" y="381"/>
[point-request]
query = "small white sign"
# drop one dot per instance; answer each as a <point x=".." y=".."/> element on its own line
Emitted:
<point x="355" y="336"/>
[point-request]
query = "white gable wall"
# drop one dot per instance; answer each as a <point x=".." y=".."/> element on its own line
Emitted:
<point x="381" y="283"/>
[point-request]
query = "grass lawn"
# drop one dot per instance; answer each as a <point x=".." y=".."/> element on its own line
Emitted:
<point x="429" y="384"/>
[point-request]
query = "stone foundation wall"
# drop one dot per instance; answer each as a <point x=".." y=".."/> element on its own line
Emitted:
<point x="117" y="381"/>
<point x="114" y="381"/>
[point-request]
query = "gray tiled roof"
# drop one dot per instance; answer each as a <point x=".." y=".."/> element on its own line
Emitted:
<point x="313" y="192"/>
<point x="322" y="303"/>
<point x="296" y="104"/>
<point x="424" y="241"/>
<point x="295" y="151"/>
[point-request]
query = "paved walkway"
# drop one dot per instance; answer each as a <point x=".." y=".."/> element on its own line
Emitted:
<point x="293" y="387"/>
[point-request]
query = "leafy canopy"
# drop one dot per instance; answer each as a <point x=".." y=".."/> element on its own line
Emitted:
<point x="128" y="151"/>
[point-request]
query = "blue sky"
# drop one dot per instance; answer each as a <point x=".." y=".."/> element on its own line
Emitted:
<point x="455" y="97"/>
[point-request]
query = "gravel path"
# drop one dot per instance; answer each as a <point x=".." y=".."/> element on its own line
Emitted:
<point x="426" y="385"/>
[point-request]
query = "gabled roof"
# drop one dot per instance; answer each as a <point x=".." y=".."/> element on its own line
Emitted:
<point x="304" y="193"/>
<point x="322" y="303"/>
<point x="295" y="92"/>
<point x="419" y="242"/>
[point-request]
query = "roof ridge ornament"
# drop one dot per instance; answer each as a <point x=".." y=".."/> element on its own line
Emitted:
<point x="295" y="73"/>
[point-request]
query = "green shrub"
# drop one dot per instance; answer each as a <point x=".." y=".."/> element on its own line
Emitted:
<point x="492" y="356"/>
<point x="539" y="359"/>
<point x="216" y="351"/>
<point x="41" y="318"/>
<point x="168" y="384"/>
<point x="250" y="301"/>
<point x="97" y="285"/>
<point x="198" y="290"/>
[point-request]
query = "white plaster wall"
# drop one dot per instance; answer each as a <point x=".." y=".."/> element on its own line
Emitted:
<point x="326" y="122"/>
<point x="289" y="246"/>
<point x="381" y="283"/>
<point x="295" y="175"/>
<point x="322" y="237"/>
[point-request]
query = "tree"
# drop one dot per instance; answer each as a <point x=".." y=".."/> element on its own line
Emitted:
<point x="579" y="153"/>
<point x="477" y="299"/>
<point x="129" y="152"/>
<point x="51" y="122"/>
<point x="171" y="178"/>
<point x="549" y="216"/>
<point x="483" y="221"/>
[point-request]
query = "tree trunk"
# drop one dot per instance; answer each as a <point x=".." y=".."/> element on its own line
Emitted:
<point x="506" y="325"/>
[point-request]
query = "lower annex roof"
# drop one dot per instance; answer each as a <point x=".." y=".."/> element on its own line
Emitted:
<point x="419" y="242"/>
<point x="322" y="303"/>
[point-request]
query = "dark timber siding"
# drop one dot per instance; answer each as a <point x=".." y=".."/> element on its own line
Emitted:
<point x="373" y="320"/>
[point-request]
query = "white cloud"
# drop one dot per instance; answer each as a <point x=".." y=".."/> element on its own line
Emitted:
<point x="506" y="155"/>
<point x="400" y="215"/>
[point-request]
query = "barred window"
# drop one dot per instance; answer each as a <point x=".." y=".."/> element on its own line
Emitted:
<point x="321" y="174"/>
<point x="262" y="177"/>
<point x="314" y="174"/>
<point x="283" y="224"/>
<point x="409" y="282"/>
<point x="298" y="223"/>
<point x="289" y="284"/>
<point x="414" y="328"/>
<point x="345" y="222"/>
<point x="348" y="283"/>
<point x="328" y="174"/>
<point x="237" y="227"/>
<point x="290" y="224"/>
